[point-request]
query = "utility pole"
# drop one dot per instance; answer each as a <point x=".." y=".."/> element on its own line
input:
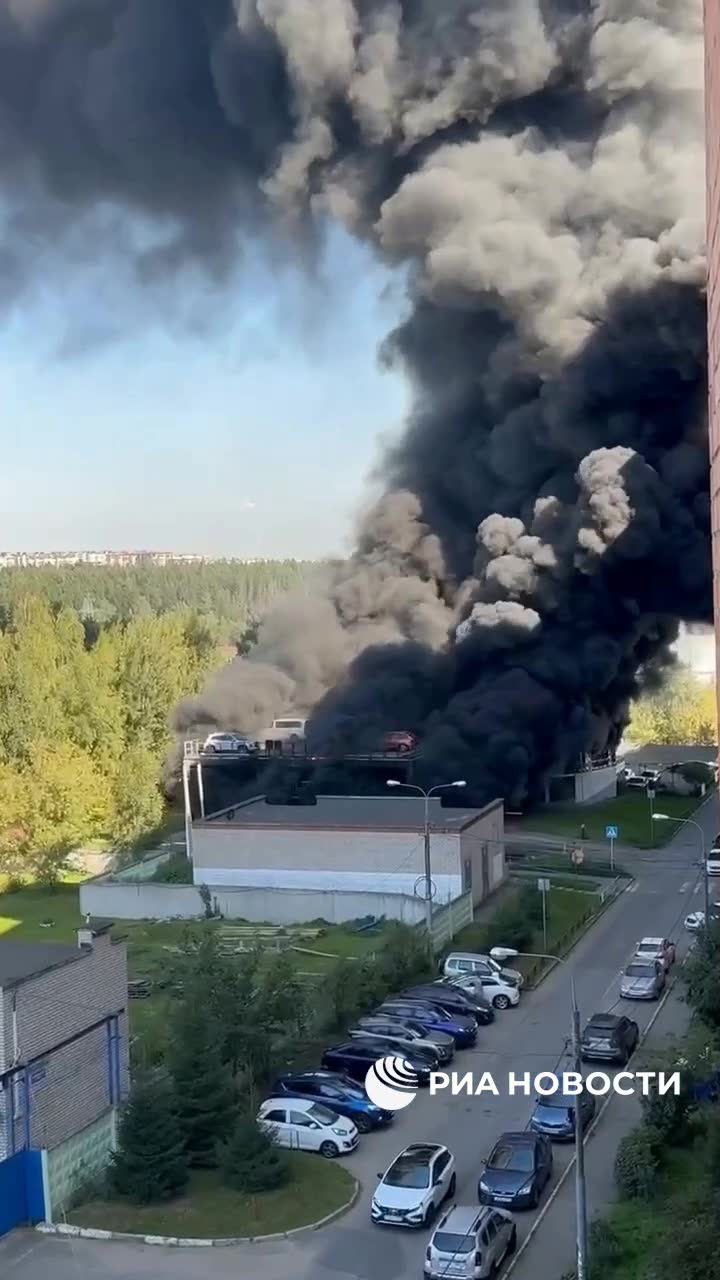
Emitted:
<point x="581" y="1247"/>
<point x="428" y="877"/>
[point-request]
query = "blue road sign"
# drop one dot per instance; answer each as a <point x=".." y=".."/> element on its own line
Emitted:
<point x="611" y="833"/>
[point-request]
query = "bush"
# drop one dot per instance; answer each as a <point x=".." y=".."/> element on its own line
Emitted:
<point x="249" y="1161"/>
<point x="667" y="1116"/>
<point x="604" y="1247"/>
<point x="636" y="1164"/>
<point x="177" y="869"/>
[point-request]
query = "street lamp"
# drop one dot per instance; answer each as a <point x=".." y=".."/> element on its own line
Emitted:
<point x="690" y="822"/>
<point x="411" y="786"/>
<point x="581" y="1231"/>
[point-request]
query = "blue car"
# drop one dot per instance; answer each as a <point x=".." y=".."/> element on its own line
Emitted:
<point x="338" y="1093"/>
<point x="460" y="1026"/>
<point x="555" y="1115"/>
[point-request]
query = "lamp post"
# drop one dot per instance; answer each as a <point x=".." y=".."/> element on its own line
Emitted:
<point x="411" y="786"/>
<point x="581" y="1230"/>
<point x="690" y="822"/>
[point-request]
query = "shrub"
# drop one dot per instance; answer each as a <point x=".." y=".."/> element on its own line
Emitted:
<point x="149" y="1164"/>
<point x="604" y="1246"/>
<point x="249" y="1161"/>
<point x="667" y="1116"/>
<point x="177" y="869"/>
<point x="636" y="1164"/>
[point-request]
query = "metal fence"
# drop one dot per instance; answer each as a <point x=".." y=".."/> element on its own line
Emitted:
<point x="448" y="920"/>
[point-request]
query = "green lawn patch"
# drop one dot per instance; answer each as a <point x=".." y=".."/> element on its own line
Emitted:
<point x="568" y="910"/>
<point x="629" y="812"/>
<point x="208" y="1209"/>
<point x="37" y="914"/>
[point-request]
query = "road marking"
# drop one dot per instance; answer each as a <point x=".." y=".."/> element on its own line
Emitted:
<point x="697" y="888"/>
<point x="634" y="887"/>
<point x="571" y="1165"/>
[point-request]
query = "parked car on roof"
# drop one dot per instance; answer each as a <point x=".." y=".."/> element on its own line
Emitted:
<point x="609" y="1037"/>
<point x="433" y="1017"/>
<point x="227" y="744"/>
<point x="554" y="1115"/>
<point x="656" y="949"/>
<point x="401" y="741"/>
<point x="518" y="1168"/>
<point x="643" y="980"/>
<point x="470" y="1243"/>
<point x="338" y="1093"/>
<point x="405" y="1031"/>
<point x="412" y="1190"/>
<point x="307" y="1126"/>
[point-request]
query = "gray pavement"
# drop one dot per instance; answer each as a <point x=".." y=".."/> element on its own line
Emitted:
<point x="532" y="1037"/>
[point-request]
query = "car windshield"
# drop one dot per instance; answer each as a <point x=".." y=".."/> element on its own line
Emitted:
<point x="449" y="1242"/>
<point x="322" y="1114"/>
<point x="557" y="1102"/>
<point x="408" y="1173"/>
<point x="515" y="1159"/>
<point x="640" y="971"/>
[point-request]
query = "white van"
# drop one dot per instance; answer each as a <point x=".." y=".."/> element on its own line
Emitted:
<point x="307" y="1126"/>
<point x="284" y="734"/>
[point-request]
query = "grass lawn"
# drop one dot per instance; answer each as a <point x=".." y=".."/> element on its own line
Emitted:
<point x="566" y="910"/>
<point x="637" y="1223"/>
<point x="629" y="812"/>
<point x="208" y="1209"/>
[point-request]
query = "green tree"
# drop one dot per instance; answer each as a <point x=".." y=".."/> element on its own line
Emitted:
<point x="701" y="974"/>
<point x="683" y="711"/>
<point x="250" y="1161"/>
<point x="149" y="1164"/>
<point x="137" y="801"/>
<point x="203" y="1088"/>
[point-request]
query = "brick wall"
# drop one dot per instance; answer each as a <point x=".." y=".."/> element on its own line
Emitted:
<point x="71" y="1086"/>
<point x="712" y="112"/>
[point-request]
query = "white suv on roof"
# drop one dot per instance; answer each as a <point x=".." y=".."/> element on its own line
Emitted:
<point x="224" y="743"/>
<point x="470" y="1243"/>
<point x="411" y="1191"/>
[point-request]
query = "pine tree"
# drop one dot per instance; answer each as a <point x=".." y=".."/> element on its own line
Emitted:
<point x="203" y="1087"/>
<point x="249" y="1160"/>
<point x="150" y="1162"/>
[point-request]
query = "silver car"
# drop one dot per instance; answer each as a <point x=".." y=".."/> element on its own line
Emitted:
<point x="470" y="1243"/>
<point x="642" y="980"/>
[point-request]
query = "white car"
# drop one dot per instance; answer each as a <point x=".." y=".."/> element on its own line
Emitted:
<point x="656" y="949"/>
<point x="307" y="1126"/>
<point x="411" y="1191"/>
<point x="227" y="744"/>
<point x="471" y="1243"/>
<point x="713" y="862"/>
<point x="695" y="921"/>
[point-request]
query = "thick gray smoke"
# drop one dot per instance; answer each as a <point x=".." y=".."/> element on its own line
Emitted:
<point x="537" y="164"/>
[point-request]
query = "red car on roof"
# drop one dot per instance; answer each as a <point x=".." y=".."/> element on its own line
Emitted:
<point x="400" y="740"/>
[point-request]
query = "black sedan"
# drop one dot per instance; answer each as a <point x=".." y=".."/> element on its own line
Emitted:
<point x="555" y="1115"/>
<point x="454" y="999"/>
<point x="609" y="1037"/>
<point x="519" y="1167"/>
<point x="355" y="1057"/>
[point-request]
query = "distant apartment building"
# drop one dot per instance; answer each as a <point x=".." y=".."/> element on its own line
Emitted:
<point x="60" y="559"/>
<point x="712" y="135"/>
<point x="63" y="1065"/>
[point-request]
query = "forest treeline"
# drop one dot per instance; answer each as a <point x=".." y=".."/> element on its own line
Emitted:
<point x="227" y="593"/>
<point x="88" y="679"/>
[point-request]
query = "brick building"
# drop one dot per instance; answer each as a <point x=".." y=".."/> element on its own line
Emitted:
<point x="712" y="133"/>
<point x="63" y="1054"/>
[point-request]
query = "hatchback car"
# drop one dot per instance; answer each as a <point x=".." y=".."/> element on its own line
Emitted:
<point x="554" y="1115"/>
<point x="400" y="741"/>
<point x="412" y="1190"/>
<point x="712" y="863"/>
<point x="307" y="1126"/>
<point x="695" y="921"/>
<point x="519" y="1167"/>
<point x="454" y="999"/>
<point x="503" y="993"/>
<point x="355" y="1058"/>
<point x="405" y="1031"/>
<point x="470" y="1244"/>
<point x="643" y="980"/>
<point x="459" y="963"/>
<point x="656" y="949"/>
<point x="609" y="1037"/>
<point x="460" y="1026"/>
<point x="336" y="1092"/>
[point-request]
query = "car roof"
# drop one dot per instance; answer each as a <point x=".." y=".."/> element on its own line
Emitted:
<point x="604" y="1019"/>
<point x="462" y="1218"/>
<point x="524" y="1138"/>
<point x="651" y="942"/>
<point x="468" y="955"/>
<point x="420" y="1152"/>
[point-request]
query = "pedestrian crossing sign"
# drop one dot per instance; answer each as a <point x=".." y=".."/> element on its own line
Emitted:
<point x="611" y="833"/>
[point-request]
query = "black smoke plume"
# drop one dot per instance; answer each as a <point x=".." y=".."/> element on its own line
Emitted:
<point x="537" y="165"/>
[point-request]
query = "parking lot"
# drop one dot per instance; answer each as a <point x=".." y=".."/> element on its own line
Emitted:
<point x="533" y="1037"/>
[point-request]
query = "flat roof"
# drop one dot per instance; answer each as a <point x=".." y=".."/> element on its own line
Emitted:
<point x="20" y="961"/>
<point x="370" y="813"/>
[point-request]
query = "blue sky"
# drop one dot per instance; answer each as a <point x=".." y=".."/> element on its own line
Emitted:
<point x="240" y="423"/>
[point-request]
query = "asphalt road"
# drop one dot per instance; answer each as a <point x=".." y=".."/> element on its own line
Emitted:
<point x="532" y="1037"/>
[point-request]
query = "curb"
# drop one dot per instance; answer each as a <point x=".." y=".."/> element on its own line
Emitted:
<point x="180" y="1242"/>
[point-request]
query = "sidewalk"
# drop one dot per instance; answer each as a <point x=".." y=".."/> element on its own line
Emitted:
<point x="552" y="1243"/>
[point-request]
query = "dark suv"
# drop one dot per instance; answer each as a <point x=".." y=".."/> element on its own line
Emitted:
<point x="609" y="1037"/>
<point x="337" y="1093"/>
<point x="355" y="1057"/>
<point x="455" y="999"/>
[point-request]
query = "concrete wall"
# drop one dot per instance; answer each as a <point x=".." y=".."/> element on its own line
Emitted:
<point x="595" y="785"/>
<point x="340" y="859"/>
<point x="72" y="1090"/>
<point x="78" y="1161"/>
<point x="260" y="906"/>
<point x="482" y="846"/>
